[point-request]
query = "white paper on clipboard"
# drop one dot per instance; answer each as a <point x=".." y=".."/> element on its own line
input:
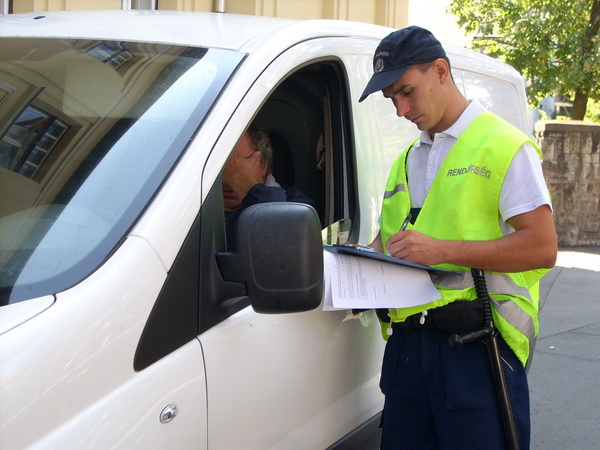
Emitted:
<point x="361" y="283"/>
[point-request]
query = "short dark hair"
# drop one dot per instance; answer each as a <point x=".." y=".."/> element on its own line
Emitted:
<point x="424" y="67"/>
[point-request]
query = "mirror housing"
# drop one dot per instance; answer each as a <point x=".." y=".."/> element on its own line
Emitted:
<point x="278" y="255"/>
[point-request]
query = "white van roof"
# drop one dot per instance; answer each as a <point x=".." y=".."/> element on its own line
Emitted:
<point x="220" y="30"/>
<point x="237" y="32"/>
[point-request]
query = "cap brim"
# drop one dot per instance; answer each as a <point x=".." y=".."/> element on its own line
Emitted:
<point x="382" y="80"/>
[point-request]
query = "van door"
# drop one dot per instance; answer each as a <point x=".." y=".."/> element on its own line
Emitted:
<point x="291" y="380"/>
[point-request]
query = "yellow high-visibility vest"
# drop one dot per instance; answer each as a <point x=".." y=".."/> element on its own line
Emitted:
<point x="462" y="204"/>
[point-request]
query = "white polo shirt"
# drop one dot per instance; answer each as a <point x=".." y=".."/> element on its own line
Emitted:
<point x="524" y="187"/>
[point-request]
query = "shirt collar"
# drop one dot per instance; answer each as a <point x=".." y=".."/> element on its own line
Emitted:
<point x="457" y="128"/>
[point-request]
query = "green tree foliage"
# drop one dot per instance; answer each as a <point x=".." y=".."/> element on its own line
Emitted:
<point x="555" y="44"/>
<point x="592" y="113"/>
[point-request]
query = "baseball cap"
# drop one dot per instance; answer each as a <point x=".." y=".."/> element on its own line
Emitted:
<point x="399" y="50"/>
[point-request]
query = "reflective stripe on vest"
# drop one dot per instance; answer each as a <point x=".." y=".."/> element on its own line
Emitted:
<point x="397" y="188"/>
<point x="497" y="283"/>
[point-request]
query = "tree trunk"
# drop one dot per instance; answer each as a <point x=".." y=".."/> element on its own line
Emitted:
<point x="581" y="97"/>
<point x="579" y="105"/>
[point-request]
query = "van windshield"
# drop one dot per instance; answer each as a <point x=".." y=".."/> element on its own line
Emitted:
<point x="89" y="130"/>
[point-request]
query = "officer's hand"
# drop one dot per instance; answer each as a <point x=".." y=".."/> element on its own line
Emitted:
<point x="416" y="247"/>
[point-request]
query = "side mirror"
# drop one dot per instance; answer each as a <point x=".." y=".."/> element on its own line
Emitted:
<point x="278" y="255"/>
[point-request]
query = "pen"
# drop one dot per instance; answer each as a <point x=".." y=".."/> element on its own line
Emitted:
<point x="406" y="222"/>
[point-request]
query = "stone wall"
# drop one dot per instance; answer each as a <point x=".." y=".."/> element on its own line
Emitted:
<point x="572" y="170"/>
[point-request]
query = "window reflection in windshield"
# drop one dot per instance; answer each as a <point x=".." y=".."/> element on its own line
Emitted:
<point x="88" y="132"/>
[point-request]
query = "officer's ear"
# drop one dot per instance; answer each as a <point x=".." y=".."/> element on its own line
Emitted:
<point x="442" y="70"/>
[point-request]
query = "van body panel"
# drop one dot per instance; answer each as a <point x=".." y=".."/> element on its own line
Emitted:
<point x="254" y="359"/>
<point x="130" y="416"/>
<point x="18" y="313"/>
<point x="67" y="374"/>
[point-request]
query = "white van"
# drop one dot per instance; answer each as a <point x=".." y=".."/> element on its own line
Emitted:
<point x="124" y="321"/>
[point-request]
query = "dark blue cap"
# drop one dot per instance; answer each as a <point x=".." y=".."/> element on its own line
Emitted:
<point x="399" y="50"/>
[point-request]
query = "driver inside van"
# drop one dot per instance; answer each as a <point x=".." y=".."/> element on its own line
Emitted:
<point x="247" y="179"/>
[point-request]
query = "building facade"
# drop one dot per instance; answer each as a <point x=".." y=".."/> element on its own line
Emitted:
<point x="392" y="13"/>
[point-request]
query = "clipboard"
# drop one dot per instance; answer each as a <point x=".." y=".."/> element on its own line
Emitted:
<point x="372" y="254"/>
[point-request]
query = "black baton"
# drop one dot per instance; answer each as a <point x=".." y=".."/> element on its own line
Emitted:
<point x="490" y="334"/>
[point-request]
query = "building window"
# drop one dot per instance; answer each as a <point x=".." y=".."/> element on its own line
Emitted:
<point x="29" y="141"/>
<point x="113" y="54"/>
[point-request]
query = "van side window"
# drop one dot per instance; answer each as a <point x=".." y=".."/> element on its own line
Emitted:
<point x="307" y="118"/>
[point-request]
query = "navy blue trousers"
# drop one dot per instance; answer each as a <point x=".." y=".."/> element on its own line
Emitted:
<point x="437" y="397"/>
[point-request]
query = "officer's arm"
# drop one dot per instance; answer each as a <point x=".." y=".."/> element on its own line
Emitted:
<point x="533" y="245"/>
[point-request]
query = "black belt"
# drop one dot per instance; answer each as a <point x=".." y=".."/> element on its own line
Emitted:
<point x="413" y="323"/>
<point x="456" y="317"/>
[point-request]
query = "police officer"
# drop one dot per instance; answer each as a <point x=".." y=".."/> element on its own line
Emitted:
<point x="473" y="187"/>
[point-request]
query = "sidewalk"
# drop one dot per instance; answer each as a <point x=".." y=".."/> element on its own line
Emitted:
<point x="564" y="379"/>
